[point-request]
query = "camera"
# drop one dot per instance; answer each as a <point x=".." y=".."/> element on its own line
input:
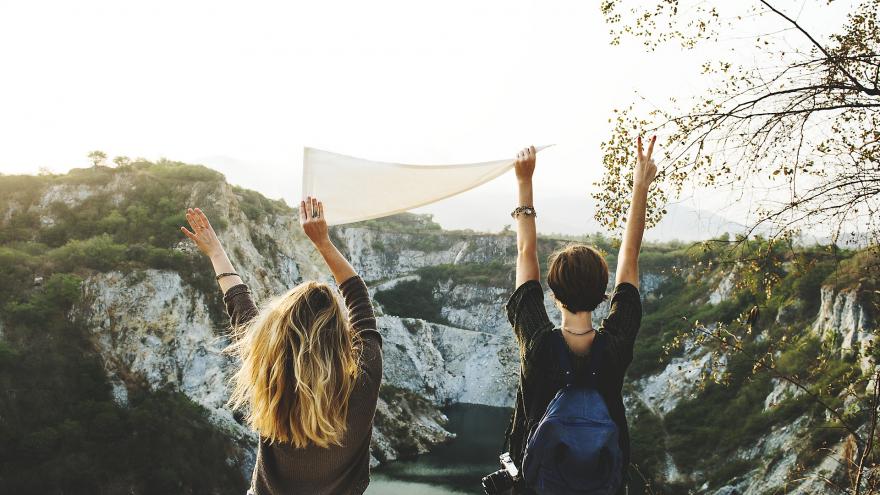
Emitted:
<point x="503" y="479"/>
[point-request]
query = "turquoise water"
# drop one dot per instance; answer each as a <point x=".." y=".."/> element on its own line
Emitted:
<point x="455" y="468"/>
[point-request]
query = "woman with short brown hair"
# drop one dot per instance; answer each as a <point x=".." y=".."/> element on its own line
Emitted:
<point x="578" y="277"/>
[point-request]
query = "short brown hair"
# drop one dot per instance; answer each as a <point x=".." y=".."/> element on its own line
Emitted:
<point x="578" y="277"/>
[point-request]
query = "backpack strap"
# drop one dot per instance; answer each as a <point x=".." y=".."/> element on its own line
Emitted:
<point x="564" y="356"/>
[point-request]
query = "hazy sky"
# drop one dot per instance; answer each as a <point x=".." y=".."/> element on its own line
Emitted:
<point x="243" y="86"/>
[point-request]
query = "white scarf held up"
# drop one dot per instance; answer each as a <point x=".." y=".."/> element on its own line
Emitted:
<point x="353" y="189"/>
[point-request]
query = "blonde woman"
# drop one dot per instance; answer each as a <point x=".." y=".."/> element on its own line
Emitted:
<point x="309" y="376"/>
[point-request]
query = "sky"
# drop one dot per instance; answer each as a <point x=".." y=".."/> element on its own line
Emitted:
<point x="242" y="87"/>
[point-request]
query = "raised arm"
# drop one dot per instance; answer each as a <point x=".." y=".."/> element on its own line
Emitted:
<point x="206" y="240"/>
<point x="628" y="258"/>
<point x="236" y="295"/>
<point x="311" y="217"/>
<point x="526" y="236"/>
<point x="354" y="290"/>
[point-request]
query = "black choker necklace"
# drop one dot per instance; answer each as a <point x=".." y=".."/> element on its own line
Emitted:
<point x="577" y="333"/>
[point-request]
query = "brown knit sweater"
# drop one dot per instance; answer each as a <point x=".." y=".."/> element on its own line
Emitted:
<point x="337" y="470"/>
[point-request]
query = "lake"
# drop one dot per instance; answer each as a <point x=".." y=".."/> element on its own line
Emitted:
<point x="454" y="468"/>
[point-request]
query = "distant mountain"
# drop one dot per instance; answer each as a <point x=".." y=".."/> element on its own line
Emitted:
<point x="571" y="215"/>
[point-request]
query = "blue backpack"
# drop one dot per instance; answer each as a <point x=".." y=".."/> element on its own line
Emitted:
<point x="574" y="449"/>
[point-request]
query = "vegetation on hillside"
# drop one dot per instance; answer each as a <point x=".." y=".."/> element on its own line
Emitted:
<point x="421" y="298"/>
<point x="62" y="432"/>
<point x="60" y="429"/>
<point x="703" y="433"/>
<point x="763" y="331"/>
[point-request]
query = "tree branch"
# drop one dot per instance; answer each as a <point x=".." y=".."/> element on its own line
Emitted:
<point x="849" y="76"/>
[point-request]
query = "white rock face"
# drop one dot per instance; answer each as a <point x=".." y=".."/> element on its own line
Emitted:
<point x="474" y="307"/>
<point x="390" y="284"/>
<point x="777" y="456"/>
<point x="781" y="390"/>
<point x="151" y="326"/>
<point x="382" y="255"/>
<point x="842" y="313"/>
<point x="777" y="453"/>
<point x="119" y="391"/>
<point x="69" y="194"/>
<point x="404" y="426"/>
<point x="648" y="283"/>
<point x="159" y="328"/>
<point x="679" y="380"/>
<point x="724" y="289"/>
<point x="449" y="365"/>
<point x="844" y="318"/>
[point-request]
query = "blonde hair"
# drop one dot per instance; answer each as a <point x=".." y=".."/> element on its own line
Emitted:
<point x="299" y="363"/>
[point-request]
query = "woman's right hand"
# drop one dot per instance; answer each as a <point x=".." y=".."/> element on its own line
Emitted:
<point x="311" y="217"/>
<point x="203" y="234"/>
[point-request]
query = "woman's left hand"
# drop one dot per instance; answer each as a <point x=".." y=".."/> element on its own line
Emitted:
<point x="203" y="234"/>
<point x="645" y="170"/>
<point x="525" y="164"/>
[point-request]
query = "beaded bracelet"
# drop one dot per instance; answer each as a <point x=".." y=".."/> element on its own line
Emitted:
<point x="528" y="210"/>
<point x="224" y="274"/>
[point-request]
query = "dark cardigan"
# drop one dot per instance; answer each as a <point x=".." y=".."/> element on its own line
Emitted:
<point x="284" y="469"/>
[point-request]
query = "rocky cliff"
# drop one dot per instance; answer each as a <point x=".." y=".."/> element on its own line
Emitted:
<point x="845" y="320"/>
<point x="151" y="326"/>
<point x="440" y="298"/>
<point x="773" y="459"/>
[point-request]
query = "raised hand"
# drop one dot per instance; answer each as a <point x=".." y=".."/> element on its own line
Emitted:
<point x="525" y="163"/>
<point x="203" y="234"/>
<point x="628" y="258"/>
<point x="527" y="267"/>
<point x="311" y="217"/>
<point x="645" y="170"/>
